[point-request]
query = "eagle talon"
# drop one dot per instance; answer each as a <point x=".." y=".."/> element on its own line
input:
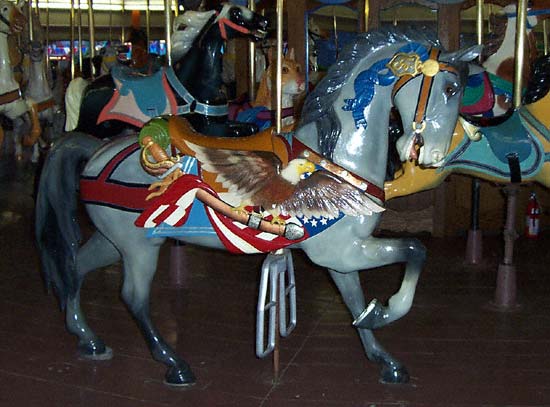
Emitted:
<point x="160" y="187"/>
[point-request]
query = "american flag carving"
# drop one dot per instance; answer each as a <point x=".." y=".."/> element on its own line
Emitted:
<point x="174" y="206"/>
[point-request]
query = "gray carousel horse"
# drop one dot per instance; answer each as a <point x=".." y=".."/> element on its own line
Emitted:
<point x="333" y="177"/>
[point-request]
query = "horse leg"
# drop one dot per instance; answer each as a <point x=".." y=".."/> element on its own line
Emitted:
<point x="139" y="270"/>
<point x="381" y="252"/>
<point x="95" y="253"/>
<point x="392" y="370"/>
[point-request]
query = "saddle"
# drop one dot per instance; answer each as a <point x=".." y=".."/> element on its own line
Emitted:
<point x="139" y="98"/>
<point x="479" y="95"/>
<point x="506" y="150"/>
<point x="173" y="134"/>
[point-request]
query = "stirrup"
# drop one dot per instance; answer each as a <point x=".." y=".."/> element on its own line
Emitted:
<point x="277" y="277"/>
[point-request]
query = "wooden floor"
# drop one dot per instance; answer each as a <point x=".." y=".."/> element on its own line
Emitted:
<point x="459" y="349"/>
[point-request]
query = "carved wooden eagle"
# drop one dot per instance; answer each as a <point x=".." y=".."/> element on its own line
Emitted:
<point x="259" y="179"/>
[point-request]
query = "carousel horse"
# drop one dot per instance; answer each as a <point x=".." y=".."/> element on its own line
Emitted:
<point x="39" y="90"/>
<point x="262" y="110"/>
<point x="319" y="190"/>
<point x="489" y="92"/>
<point x="192" y="87"/>
<point x="19" y="110"/>
<point x="515" y="150"/>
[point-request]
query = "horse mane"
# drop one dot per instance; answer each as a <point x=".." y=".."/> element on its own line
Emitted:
<point x="539" y="83"/>
<point x="319" y="105"/>
<point x="194" y="22"/>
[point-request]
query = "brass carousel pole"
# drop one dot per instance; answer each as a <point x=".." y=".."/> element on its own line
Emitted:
<point x="251" y="60"/>
<point x="148" y="22"/>
<point x="30" y="22"/>
<point x="91" y="27"/>
<point x="80" y="56"/>
<point x="168" y="25"/>
<point x="545" y="35"/>
<point x="278" y="123"/>
<point x="506" y="289"/>
<point x="47" y="36"/>
<point x="474" y="243"/>
<point x="366" y="10"/>
<point x="279" y="73"/>
<point x="122" y="25"/>
<point x="71" y="28"/>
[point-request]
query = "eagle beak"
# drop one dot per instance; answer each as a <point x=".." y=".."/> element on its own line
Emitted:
<point x="308" y="166"/>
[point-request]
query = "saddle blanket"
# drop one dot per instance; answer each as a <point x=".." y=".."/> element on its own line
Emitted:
<point x="174" y="207"/>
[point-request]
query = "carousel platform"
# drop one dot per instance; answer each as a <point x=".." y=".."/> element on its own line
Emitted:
<point x="459" y="349"/>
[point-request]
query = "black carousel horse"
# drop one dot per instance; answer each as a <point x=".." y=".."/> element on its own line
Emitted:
<point x="192" y="86"/>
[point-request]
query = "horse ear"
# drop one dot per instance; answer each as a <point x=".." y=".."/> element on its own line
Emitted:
<point x="466" y="54"/>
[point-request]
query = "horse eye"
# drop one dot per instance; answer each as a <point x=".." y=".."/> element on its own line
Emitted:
<point x="298" y="68"/>
<point x="285" y="69"/>
<point x="451" y="90"/>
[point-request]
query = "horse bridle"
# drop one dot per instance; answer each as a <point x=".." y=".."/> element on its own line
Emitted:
<point x="225" y="22"/>
<point x="407" y="66"/>
<point x="7" y="22"/>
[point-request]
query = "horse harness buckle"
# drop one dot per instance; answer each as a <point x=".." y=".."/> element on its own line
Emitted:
<point x="408" y="66"/>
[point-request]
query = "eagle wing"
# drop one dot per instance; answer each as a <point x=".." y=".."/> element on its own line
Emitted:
<point x="326" y="195"/>
<point x="243" y="173"/>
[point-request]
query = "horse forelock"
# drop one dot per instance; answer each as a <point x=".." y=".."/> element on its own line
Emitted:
<point x="195" y="22"/>
<point x="319" y="105"/>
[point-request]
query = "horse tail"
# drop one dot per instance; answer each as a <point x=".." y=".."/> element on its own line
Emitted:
<point x="57" y="231"/>
<point x="73" y="100"/>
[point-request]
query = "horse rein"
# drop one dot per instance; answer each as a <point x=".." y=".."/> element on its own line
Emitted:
<point x="407" y="67"/>
<point x="225" y="22"/>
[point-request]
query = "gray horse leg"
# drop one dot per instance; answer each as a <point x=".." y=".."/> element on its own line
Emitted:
<point x="388" y="251"/>
<point x="139" y="270"/>
<point x="349" y="286"/>
<point x="97" y="252"/>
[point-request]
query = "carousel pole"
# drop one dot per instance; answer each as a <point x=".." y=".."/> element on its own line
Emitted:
<point x="47" y="36"/>
<point x="474" y="244"/>
<point x="30" y="22"/>
<point x="366" y="10"/>
<point x="279" y="65"/>
<point x="545" y="35"/>
<point x="168" y="25"/>
<point x="148" y="22"/>
<point x="278" y="122"/>
<point x="506" y="289"/>
<point x="251" y="61"/>
<point x="91" y="27"/>
<point x="71" y="28"/>
<point x="122" y="25"/>
<point x="110" y="23"/>
<point x="80" y="56"/>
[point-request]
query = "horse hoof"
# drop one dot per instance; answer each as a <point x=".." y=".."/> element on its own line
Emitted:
<point x="391" y="374"/>
<point x="179" y="377"/>
<point x="95" y="350"/>
<point x="372" y="316"/>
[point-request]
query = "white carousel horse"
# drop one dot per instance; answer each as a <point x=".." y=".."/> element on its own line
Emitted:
<point x="19" y="110"/>
<point x="500" y="51"/>
<point x="38" y="88"/>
